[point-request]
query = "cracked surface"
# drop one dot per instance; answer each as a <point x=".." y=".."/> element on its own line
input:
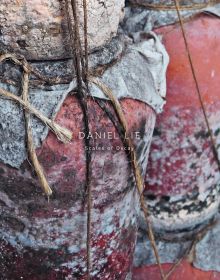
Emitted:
<point x="38" y="29"/>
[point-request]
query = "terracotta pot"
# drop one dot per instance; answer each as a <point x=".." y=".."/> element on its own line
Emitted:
<point x="47" y="241"/>
<point x="182" y="183"/>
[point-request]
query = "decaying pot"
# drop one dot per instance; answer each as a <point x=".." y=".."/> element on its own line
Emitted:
<point x="47" y="240"/>
<point x="182" y="184"/>
<point x="42" y="240"/>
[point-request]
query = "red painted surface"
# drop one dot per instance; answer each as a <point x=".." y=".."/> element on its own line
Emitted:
<point x="185" y="271"/>
<point x="46" y="241"/>
<point x="181" y="159"/>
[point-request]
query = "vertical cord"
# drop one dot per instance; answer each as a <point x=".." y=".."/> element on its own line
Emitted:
<point x="76" y="47"/>
<point x="81" y="73"/>
<point x="88" y="153"/>
<point x="85" y="11"/>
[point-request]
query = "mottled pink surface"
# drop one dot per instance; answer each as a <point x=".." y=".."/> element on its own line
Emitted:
<point x="47" y="241"/>
<point x="182" y="168"/>
<point x="182" y="127"/>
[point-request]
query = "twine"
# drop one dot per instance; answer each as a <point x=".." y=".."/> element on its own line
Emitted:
<point x="63" y="134"/>
<point x="30" y="142"/>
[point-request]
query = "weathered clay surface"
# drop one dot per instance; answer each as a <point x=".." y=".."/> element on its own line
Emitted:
<point x="183" y="177"/>
<point x="41" y="240"/>
<point x="48" y="241"/>
<point x="139" y="74"/>
<point x="182" y="187"/>
<point x="38" y="29"/>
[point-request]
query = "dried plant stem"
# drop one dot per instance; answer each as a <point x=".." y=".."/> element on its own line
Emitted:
<point x="136" y="168"/>
<point x="63" y="134"/>
<point x="30" y="142"/>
